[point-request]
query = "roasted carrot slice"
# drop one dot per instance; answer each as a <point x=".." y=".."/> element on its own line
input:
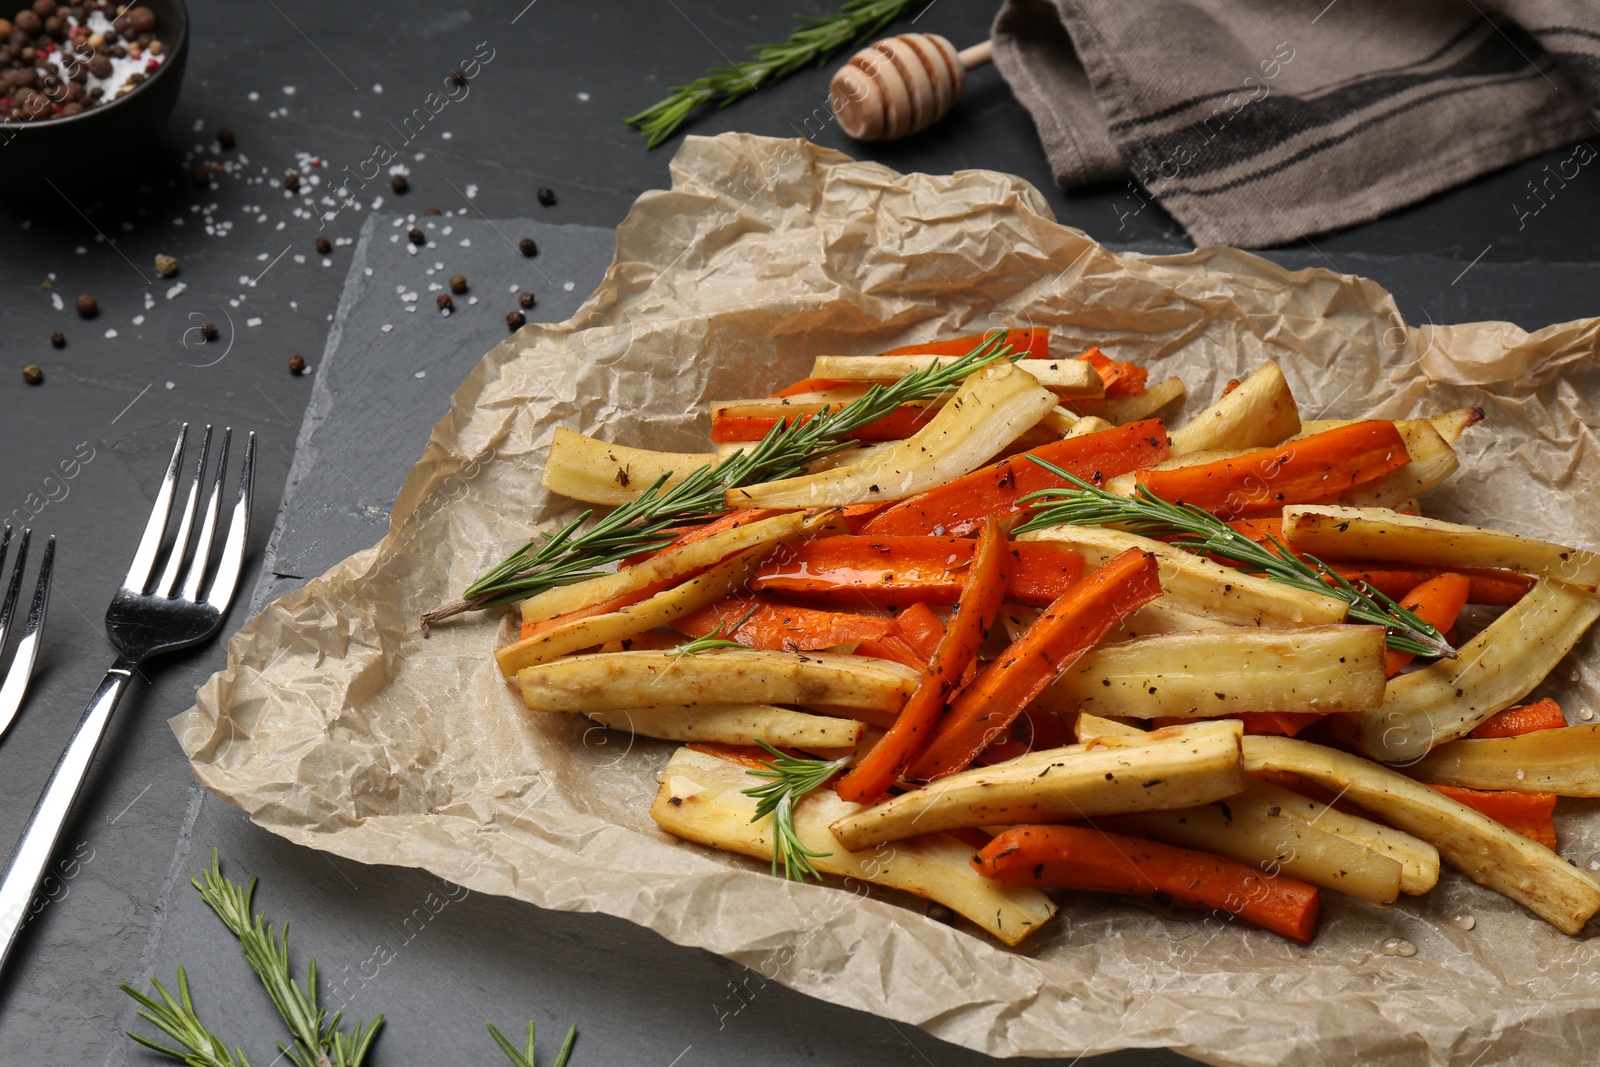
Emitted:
<point x="894" y="572"/>
<point x="893" y="647"/>
<point x="1523" y="719"/>
<point x="762" y="623"/>
<point x="1284" y="723"/>
<point x="912" y="731"/>
<point x="1436" y="601"/>
<point x="1033" y="340"/>
<point x="1300" y="472"/>
<point x="921" y="629"/>
<point x="895" y="426"/>
<point x="1529" y="814"/>
<point x="1120" y="379"/>
<point x="1083" y="858"/>
<point x="959" y="506"/>
<point x="1077" y="621"/>
<point x="1033" y="731"/>
<point x="1395" y="580"/>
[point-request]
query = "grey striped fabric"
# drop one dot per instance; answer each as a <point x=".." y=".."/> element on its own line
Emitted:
<point x="1258" y="122"/>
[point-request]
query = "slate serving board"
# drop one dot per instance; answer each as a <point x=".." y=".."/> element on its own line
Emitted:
<point x="435" y="959"/>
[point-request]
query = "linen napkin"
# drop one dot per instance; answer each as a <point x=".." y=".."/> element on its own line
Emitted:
<point x="1258" y="122"/>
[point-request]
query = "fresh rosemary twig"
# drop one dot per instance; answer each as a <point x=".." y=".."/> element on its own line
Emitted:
<point x="1199" y="531"/>
<point x="176" y="1017"/>
<point x="575" y="553"/>
<point x="792" y="780"/>
<point x="525" y="1058"/>
<point x="813" y="42"/>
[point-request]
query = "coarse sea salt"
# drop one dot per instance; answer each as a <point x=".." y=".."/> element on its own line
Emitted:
<point x="253" y="321"/>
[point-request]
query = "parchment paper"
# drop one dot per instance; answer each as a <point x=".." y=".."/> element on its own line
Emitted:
<point x="339" y="727"/>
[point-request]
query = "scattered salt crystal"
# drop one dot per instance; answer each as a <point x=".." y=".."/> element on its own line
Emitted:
<point x="1521" y="775"/>
<point x="386" y="327"/>
<point x="80" y="250"/>
<point x="367" y="271"/>
<point x="294" y="305"/>
<point x="110" y="334"/>
<point x="584" y="97"/>
<point x="138" y="320"/>
<point x="56" y="301"/>
<point x="412" y="249"/>
<point x="172" y="385"/>
<point x="280" y="225"/>
<point x="244" y="279"/>
<point x="411" y="307"/>
<point x="420" y="374"/>
<point x="233" y="303"/>
<point x="327" y="262"/>
<point x="472" y="300"/>
<point x="466" y="242"/>
<point x="288" y="90"/>
<point x="567" y="286"/>
<point x="356" y="113"/>
<point x="253" y="97"/>
<point x="254" y="320"/>
<point x="410" y="297"/>
<point x="472" y="191"/>
<point x="377" y="88"/>
<point x="446" y="231"/>
<point x="199" y="124"/>
<point x="447" y="135"/>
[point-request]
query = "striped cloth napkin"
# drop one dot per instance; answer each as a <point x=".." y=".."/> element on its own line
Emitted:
<point x="1258" y="122"/>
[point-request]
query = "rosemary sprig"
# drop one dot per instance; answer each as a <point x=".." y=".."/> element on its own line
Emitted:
<point x="714" y="639"/>
<point x="521" y="1058"/>
<point x="813" y="42"/>
<point x="176" y="1017"/>
<point x="1199" y="531"/>
<point x="575" y="553"/>
<point x="792" y="779"/>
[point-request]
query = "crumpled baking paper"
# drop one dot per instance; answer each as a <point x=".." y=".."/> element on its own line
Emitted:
<point x="338" y="726"/>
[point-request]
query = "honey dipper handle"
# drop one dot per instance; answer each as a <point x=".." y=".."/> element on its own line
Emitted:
<point x="976" y="56"/>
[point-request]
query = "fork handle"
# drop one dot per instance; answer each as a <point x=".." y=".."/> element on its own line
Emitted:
<point x="32" y="856"/>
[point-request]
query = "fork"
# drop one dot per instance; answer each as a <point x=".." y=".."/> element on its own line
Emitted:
<point x="15" y="682"/>
<point x="144" y="618"/>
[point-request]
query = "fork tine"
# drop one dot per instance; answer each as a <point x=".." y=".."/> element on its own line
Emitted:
<point x="15" y="588"/>
<point x="208" y="524"/>
<point x="145" y="557"/>
<point x="16" y="682"/>
<point x="169" y="573"/>
<point x="227" y="579"/>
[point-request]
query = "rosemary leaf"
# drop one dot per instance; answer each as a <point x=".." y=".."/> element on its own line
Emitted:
<point x="1199" y="531"/>
<point x="792" y="779"/>
<point x="577" y="552"/>
<point x="812" y="43"/>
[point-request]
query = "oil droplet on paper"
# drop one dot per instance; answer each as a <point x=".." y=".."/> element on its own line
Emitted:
<point x="1463" y="921"/>
<point x="1397" y="946"/>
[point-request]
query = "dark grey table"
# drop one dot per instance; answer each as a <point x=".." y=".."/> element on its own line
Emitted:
<point x="543" y="111"/>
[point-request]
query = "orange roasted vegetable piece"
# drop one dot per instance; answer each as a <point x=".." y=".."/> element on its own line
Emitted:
<point x="1529" y="814"/>
<point x="1078" y="620"/>
<point x="912" y="731"/>
<point x="1437" y="602"/>
<point x="1033" y="340"/>
<point x="762" y="623"/>
<point x="959" y="507"/>
<point x="891" y="572"/>
<point x="1120" y="379"/>
<point x="1523" y="719"/>
<point x="1299" y="472"/>
<point x="1086" y="859"/>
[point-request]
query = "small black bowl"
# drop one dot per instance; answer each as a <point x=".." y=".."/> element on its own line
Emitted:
<point x="76" y="151"/>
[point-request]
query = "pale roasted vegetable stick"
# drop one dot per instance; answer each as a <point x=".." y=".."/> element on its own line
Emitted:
<point x="1195" y="584"/>
<point x="1064" y="377"/>
<point x="1487" y="852"/>
<point x="989" y="411"/>
<point x="1161" y="617"/>
<point x="1451" y="425"/>
<point x="1498" y="667"/>
<point x="1432" y="461"/>
<point x="598" y="472"/>
<point x="1260" y="413"/>
<point x="735" y="724"/>
<point x="606" y="681"/>
<point x="1418" y="860"/>
<point x="667" y="606"/>
<point x="1120" y="410"/>
<point x="1379" y="534"/>
<point x="668" y="565"/>
<point x="701" y="800"/>
<point x="1088" y="424"/>
<point x="1252" y="829"/>
<point x="1565" y="761"/>
<point x="1177" y="767"/>
<point x="1219" y="672"/>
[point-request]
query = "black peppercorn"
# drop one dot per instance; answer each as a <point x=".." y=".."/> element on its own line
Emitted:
<point x="297" y="364"/>
<point x="525" y="298"/>
<point x="225" y="136"/>
<point x="431" y="212"/>
<point x="32" y="374"/>
<point x="444" y="302"/>
<point x="58" y="340"/>
<point x="209" y="331"/>
<point x="87" y="306"/>
<point x="417" y="236"/>
<point x="527" y="247"/>
<point x="291" y="181"/>
<point x="547" y="196"/>
<point x="458" y="77"/>
<point x="458" y="284"/>
<point x="516" y="320"/>
<point x="324" y="246"/>
<point x="400" y="184"/>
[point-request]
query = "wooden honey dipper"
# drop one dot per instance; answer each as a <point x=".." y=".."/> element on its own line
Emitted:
<point x="900" y="85"/>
